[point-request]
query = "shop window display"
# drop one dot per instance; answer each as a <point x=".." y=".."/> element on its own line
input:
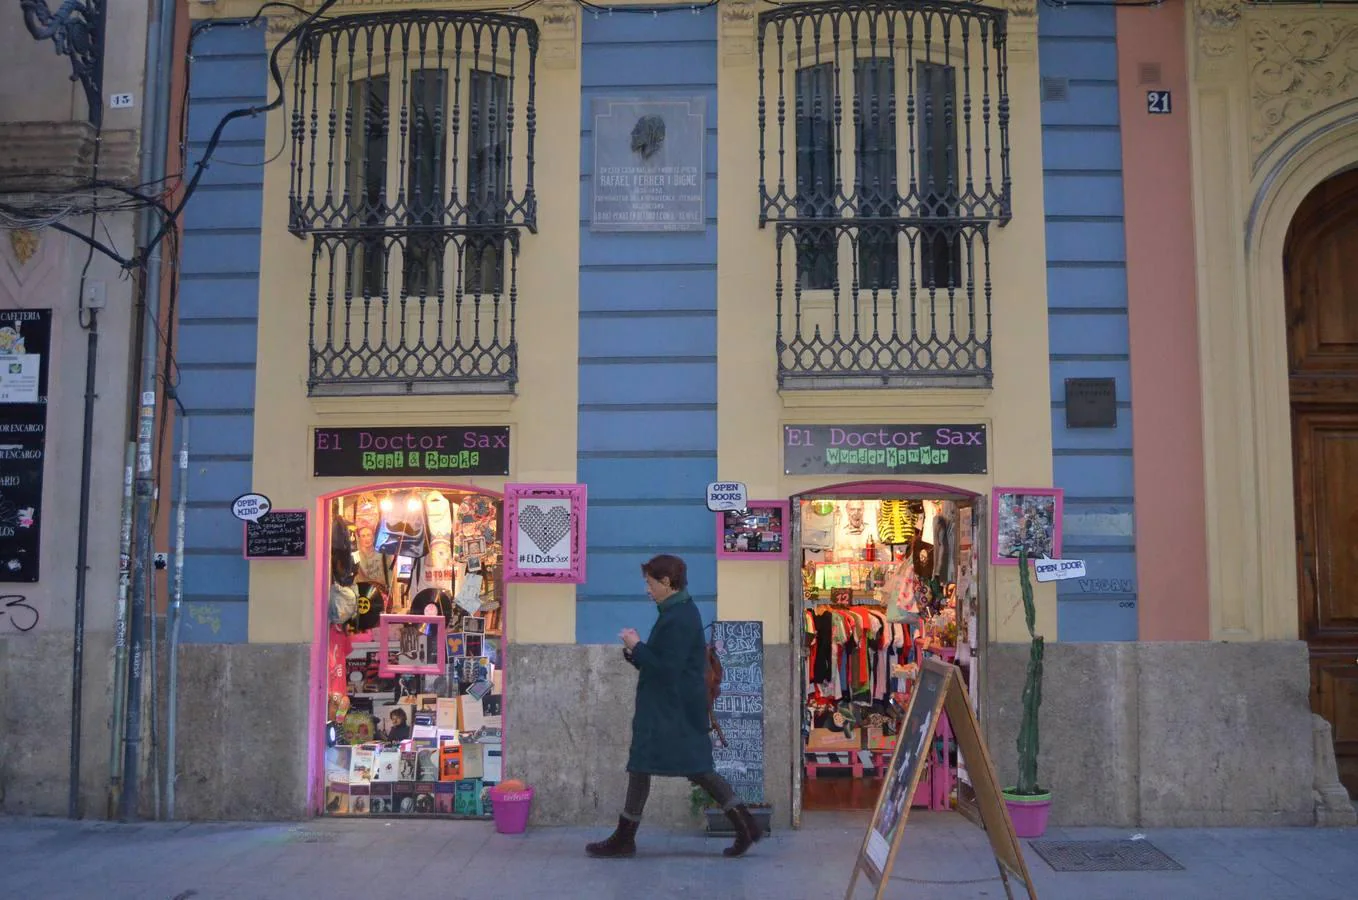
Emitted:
<point x="415" y="653"/>
<point x="885" y="582"/>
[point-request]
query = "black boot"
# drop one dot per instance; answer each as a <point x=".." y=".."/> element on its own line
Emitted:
<point x="622" y="842"/>
<point x="747" y="830"/>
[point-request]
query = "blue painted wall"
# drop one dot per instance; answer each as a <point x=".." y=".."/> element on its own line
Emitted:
<point x="218" y="316"/>
<point x="1087" y="301"/>
<point x="648" y="343"/>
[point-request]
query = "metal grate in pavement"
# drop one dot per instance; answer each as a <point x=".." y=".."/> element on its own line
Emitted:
<point x="1104" y="856"/>
<point x="301" y="836"/>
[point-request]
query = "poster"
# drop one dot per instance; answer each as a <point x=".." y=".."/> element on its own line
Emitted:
<point x="25" y="357"/>
<point x="1025" y="518"/>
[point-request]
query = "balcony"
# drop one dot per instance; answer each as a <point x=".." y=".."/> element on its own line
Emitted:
<point x="413" y="139"/>
<point x="884" y="165"/>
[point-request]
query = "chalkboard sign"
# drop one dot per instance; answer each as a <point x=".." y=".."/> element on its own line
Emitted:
<point x="940" y="688"/>
<point x="740" y="708"/>
<point x="281" y="534"/>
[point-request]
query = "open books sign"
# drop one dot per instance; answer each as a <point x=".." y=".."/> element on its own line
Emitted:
<point x="1058" y="569"/>
<point x="726" y="495"/>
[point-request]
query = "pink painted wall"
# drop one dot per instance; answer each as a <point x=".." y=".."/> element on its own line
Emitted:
<point x="1171" y="522"/>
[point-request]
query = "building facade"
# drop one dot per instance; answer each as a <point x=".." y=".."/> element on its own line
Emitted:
<point x="980" y="261"/>
<point x="68" y="319"/>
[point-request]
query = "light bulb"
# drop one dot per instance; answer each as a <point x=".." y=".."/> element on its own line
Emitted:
<point x="413" y="504"/>
<point x="385" y="504"/>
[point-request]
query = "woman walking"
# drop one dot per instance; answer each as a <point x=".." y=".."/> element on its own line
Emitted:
<point x="670" y="725"/>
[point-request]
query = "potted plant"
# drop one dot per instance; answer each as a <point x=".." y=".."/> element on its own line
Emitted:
<point x="1029" y="805"/>
<point x="717" y="824"/>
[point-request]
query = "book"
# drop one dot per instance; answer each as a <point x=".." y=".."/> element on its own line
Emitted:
<point x="446" y="715"/>
<point x="473" y="761"/>
<point x="337" y="798"/>
<point x="379" y="800"/>
<point x="450" y="761"/>
<point x="363" y="762"/>
<point x="427" y="768"/>
<point x="337" y="763"/>
<point x="424" y="800"/>
<point x="444" y="793"/>
<point x="467" y="800"/>
<point x="409" y="765"/>
<point x="403" y="798"/>
<point x="388" y="765"/>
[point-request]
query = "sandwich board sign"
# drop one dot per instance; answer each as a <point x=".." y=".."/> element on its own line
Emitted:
<point x="939" y="689"/>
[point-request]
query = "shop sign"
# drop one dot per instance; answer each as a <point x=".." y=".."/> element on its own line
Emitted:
<point x="417" y="451"/>
<point x="545" y="533"/>
<point x="251" y="507"/>
<point x="1059" y="569"/>
<point x="25" y="358"/>
<point x="739" y="710"/>
<point x="724" y="495"/>
<point x="884" y="449"/>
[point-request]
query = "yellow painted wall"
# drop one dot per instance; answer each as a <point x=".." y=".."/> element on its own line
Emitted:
<point x="751" y="412"/>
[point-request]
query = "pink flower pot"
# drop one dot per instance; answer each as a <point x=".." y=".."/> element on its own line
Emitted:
<point x="1028" y="813"/>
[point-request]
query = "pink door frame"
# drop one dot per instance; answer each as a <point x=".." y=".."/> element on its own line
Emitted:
<point x="321" y="634"/>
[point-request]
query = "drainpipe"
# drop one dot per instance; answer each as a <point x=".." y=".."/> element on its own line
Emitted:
<point x="82" y="557"/>
<point x="115" y="756"/>
<point x="176" y="602"/>
<point x="154" y="141"/>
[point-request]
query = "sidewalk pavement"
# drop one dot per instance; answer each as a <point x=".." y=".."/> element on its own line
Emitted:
<point x="943" y="856"/>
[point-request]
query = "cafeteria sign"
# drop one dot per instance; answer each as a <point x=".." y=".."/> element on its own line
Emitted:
<point x="884" y="449"/>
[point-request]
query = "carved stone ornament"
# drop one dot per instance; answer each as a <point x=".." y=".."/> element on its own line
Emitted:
<point x="1021" y="9"/>
<point x="1218" y="15"/>
<point x="559" y="19"/>
<point x="1299" y="67"/>
<point x="24" y="242"/>
<point x="1217" y="21"/>
<point x="738" y="23"/>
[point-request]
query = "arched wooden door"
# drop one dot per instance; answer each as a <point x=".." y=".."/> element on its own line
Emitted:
<point x="1320" y="265"/>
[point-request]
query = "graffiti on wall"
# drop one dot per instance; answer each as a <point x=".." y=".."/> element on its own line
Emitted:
<point x="17" y="613"/>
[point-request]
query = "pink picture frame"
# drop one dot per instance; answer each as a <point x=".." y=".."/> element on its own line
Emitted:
<point x="544" y="535"/>
<point x="387" y="669"/>
<point x="735" y="525"/>
<point x="1035" y="511"/>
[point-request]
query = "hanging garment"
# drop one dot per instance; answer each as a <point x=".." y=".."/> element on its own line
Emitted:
<point x="437" y="568"/>
<point x="895" y="522"/>
<point x="818" y="524"/>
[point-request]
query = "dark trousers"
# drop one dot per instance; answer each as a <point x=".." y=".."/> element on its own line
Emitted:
<point x="639" y="789"/>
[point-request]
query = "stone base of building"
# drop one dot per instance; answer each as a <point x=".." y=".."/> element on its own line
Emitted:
<point x="1164" y="735"/>
<point x="1133" y="734"/>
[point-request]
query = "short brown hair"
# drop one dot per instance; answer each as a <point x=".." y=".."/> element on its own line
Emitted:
<point x="667" y="566"/>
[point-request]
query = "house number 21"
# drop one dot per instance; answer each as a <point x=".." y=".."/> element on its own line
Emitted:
<point x="1157" y="103"/>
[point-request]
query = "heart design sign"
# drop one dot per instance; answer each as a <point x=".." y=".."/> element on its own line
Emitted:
<point x="545" y="533"/>
<point x="545" y="527"/>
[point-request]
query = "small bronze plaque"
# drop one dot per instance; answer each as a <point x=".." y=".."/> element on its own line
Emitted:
<point x="1091" y="403"/>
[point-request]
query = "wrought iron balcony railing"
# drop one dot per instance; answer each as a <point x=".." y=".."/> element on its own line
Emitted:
<point x="416" y="118"/>
<point x="903" y="305"/>
<point x="884" y="160"/>
<point x="884" y="108"/>
<point x="420" y="311"/>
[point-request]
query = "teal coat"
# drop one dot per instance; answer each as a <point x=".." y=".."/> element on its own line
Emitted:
<point x="669" y="728"/>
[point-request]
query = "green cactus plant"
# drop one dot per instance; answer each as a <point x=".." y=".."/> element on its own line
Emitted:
<point x="1028" y="738"/>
